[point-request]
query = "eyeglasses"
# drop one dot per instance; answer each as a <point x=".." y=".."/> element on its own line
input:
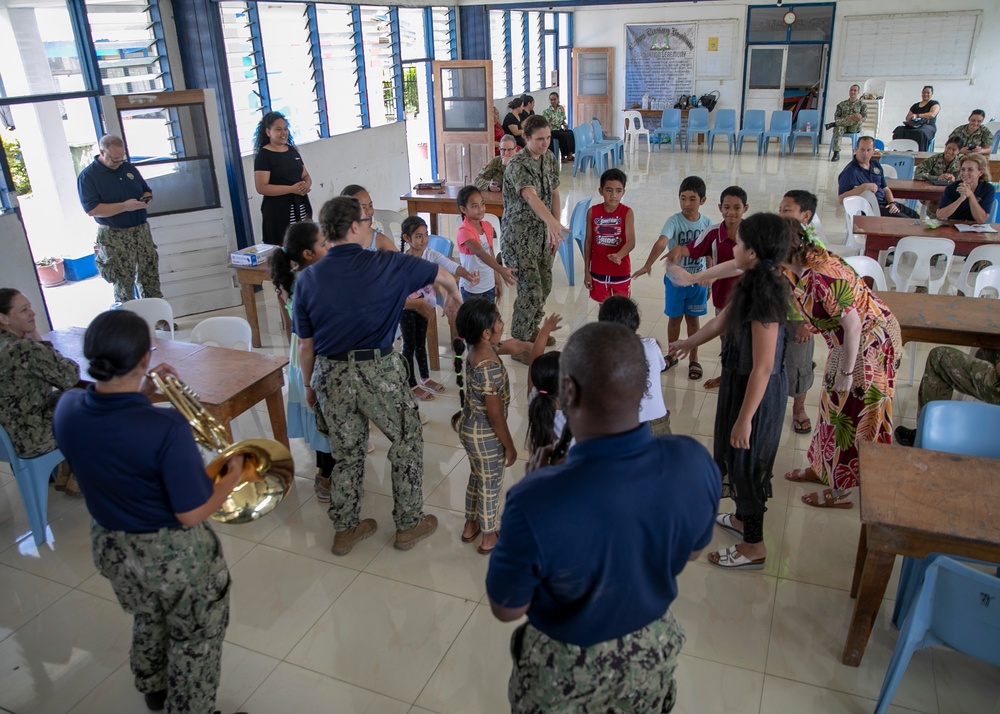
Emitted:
<point x="508" y="151"/>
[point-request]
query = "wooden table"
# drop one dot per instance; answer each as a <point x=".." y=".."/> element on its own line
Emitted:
<point x="919" y="156"/>
<point x="228" y="382"/>
<point x="945" y="319"/>
<point x="919" y="190"/>
<point x="882" y="233"/>
<point x="249" y="277"/>
<point x="915" y="502"/>
<point x="446" y="203"/>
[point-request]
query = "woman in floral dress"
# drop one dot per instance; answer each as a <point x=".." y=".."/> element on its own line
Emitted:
<point x="865" y="349"/>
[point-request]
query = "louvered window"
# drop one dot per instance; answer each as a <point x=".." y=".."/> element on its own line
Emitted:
<point x="128" y="41"/>
<point x="242" y="64"/>
<point x="284" y="31"/>
<point x="340" y="68"/>
<point x="443" y="22"/>
<point x="379" y="75"/>
<point x="498" y="53"/>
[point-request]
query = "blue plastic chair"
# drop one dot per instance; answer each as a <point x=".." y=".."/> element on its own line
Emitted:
<point x="585" y="152"/>
<point x="903" y="163"/>
<point x="442" y="245"/>
<point x="993" y="212"/>
<point x="725" y="126"/>
<point x="578" y="223"/>
<point x="753" y="126"/>
<point x="554" y="146"/>
<point x="879" y="145"/>
<point x="616" y="145"/>
<point x="670" y="127"/>
<point x="806" y="118"/>
<point x="957" y="607"/>
<point x="955" y="428"/>
<point x="32" y="477"/>
<point x="781" y="129"/>
<point x="996" y="143"/>
<point x="854" y="136"/>
<point x="697" y="124"/>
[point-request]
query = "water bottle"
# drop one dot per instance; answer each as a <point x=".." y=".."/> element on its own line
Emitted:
<point x="809" y="127"/>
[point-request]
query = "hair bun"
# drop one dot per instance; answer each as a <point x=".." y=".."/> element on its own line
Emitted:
<point x="101" y="369"/>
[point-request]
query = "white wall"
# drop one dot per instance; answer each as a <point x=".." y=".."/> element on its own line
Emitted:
<point x="374" y="158"/>
<point x="17" y="269"/>
<point x="604" y="27"/>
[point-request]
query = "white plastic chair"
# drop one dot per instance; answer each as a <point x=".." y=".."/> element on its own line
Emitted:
<point x="966" y="281"/>
<point x="856" y="206"/>
<point x="232" y="333"/>
<point x="988" y="279"/>
<point x="391" y="222"/>
<point x="152" y="310"/>
<point x="634" y="130"/>
<point x="889" y="170"/>
<point x="902" y="145"/>
<point x="868" y="268"/>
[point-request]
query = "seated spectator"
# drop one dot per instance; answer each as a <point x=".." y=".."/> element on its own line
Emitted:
<point x="949" y="370"/>
<point x="556" y="114"/>
<point x="863" y="173"/>
<point x="512" y="122"/>
<point x="971" y="197"/>
<point x="920" y="123"/>
<point x="847" y="119"/>
<point x="498" y="132"/>
<point x="490" y="177"/>
<point x="940" y="167"/>
<point x="976" y="138"/>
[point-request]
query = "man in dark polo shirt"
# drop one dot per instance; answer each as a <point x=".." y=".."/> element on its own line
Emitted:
<point x="113" y="191"/>
<point x="347" y="307"/>
<point x="591" y="548"/>
<point x="864" y="173"/>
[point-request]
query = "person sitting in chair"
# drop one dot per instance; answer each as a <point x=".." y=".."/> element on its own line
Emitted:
<point x="862" y="174"/>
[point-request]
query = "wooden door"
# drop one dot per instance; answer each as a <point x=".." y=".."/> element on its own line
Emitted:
<point x="765" y="84"/>
<point x="592" y="85"/>
<point x="463" y="102"/>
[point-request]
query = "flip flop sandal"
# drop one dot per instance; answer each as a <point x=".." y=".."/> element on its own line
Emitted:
<point x="470" y="538"/>
<point x="828" y="500"/>
<point x="695" y="372"/>
<point x="421" y="394"/>
<point x="713" y="383"/>
<point x="436" y="388"/>
<point x="732" y="559"/>
<point x="671" y="361"/>
<point x="799" y="476"/>
<point x="802" y="426"/>
<point x="725" y="522"/>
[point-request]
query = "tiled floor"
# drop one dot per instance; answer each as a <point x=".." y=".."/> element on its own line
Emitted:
<point x="385" y="631"/>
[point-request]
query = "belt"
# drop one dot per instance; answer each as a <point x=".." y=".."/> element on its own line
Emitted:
<point x="361" y="355"/>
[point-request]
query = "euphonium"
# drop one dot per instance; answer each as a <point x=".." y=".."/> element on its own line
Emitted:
<point x="268" y="467"/>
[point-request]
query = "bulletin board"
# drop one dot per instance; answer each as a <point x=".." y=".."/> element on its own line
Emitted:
<point x="719" y="43"/>
<point x="926" y="46"/>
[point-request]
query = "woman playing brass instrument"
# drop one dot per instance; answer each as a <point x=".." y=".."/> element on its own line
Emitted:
<point x="145" y="487"/>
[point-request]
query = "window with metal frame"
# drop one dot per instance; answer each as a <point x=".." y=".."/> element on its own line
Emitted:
<point x="518" y="52"/>
<point x="536" y="66"/>
<point x="380" y="75"/>
<point x="498" y="53"/>
<point x="244" y="80"/>
<point x="445" y="41"/>
<point x="284" y="29"/>
<point x="128" y="42"/>
<point x="340" y="68"/>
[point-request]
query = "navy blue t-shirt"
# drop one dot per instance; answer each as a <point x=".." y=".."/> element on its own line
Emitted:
<point x="854" y="174"/>
<point x="99" y="184"/>
<point x="596" y="543"/>
<point x="137" y="465"/>
<point x="352" y="298"/>
<point x="984" y="193"/>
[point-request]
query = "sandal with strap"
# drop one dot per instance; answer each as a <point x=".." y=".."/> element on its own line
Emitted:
<point x="732" y="559"/>
<point x="802" y="426"/>
<point x="422" y="394"/>
<point x="828" y="500"/>
<point x="725" y="522"/>
<point x="671" y="361"/>
<point x="431" y="386"/>
<point x="695" y="372"/>
<point x="805" y="475"/>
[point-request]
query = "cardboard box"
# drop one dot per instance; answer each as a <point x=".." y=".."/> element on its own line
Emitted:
<point x="253" y="255"/>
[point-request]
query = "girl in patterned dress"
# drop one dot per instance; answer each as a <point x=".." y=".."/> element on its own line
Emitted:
<point x="482" y="422"/>
<point x="865" y="349"/>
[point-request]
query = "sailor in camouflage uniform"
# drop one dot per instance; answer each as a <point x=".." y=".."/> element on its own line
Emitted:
<point x="490" y="177"/>
<point x="940" y="167"/>
<point x="146" y="488"/>
<point x="347" y="307"/>
<point x="531" y="232"/>
<point x="975" y="136"/>
<point x="34" y="375"/>
<point x="847" y="119"/>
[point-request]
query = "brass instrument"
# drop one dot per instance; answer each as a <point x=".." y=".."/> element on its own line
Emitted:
<point x="268" y="467"/>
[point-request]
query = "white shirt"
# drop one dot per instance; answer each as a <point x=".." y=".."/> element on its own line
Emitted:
<point x="652" y="407"/>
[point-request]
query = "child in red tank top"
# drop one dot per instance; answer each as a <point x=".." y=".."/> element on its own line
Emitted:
<point x="610" y="238"/>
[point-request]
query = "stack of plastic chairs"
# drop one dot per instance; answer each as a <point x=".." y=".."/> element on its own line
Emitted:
<point x="578" y="223"/>
<point x="616" y="145"/>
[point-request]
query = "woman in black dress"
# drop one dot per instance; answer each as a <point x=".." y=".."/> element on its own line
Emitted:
<point x="921" y="121"/>
<point x="280" y="176"/>
<point x="512" y="122"/>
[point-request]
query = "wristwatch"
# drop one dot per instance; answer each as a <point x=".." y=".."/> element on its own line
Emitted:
<point x="847" y="372"/>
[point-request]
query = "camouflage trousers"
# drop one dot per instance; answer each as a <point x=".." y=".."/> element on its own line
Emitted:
<point x="350" y="395"/>
<point x="126" y="258"/>
<point x="634" y="673"/>
<point x="531" y="255"/>
<point x="175" y="584"/>
<point x="949" y="369"/>
<point x="841" y="127"/>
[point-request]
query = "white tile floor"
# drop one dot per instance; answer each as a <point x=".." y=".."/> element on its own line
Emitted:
<point x="385" y="631"/>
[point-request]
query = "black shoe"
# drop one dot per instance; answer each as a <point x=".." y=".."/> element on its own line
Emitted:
<point x="830" y="125"/>
<point x="904" y="436"/>
<point x="155" y="701"/>
<point x="836" y="156"/>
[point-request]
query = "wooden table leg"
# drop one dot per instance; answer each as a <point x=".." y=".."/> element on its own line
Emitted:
<point x="434" y="224"/>
<point x="433" y="351"/>
<point x="250" y="306"/>
<point x="871" y="589"/>
<point x="859" y="560"/>
<point x="276" y="413"/>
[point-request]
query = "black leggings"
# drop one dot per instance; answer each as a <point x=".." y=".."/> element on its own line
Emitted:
<point x="414" y="328"/>
<point x="324" y="462"/>
<point x="753" y="528"/>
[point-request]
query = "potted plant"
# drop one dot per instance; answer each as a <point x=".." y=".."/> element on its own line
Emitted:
<point x="50" y="271"/>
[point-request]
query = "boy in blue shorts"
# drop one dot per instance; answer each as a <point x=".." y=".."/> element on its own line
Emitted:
<point x="691" y="302"/>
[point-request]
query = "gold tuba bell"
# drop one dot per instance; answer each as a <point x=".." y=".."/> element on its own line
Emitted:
<point x="268" y="467"/>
